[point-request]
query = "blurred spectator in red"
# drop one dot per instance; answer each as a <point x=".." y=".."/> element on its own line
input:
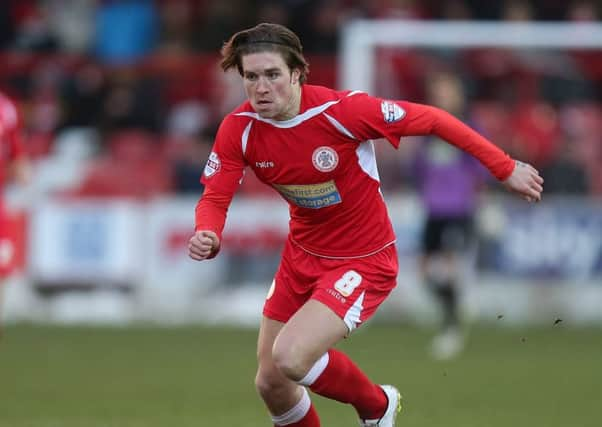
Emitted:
<point x="13" y="166"/>
<point x="536" y="129"/>
<point x="134" y="165"/>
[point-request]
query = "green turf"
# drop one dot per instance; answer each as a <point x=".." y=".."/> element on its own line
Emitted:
<point x="150" y="377"/>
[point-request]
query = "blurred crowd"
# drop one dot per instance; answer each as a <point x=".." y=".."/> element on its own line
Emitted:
<point x="123" y="97"/>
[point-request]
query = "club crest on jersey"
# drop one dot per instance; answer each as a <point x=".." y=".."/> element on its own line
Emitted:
<point x="325" y="159"/>
<point x="213" y="165"/>
<point x="391" y="111"/>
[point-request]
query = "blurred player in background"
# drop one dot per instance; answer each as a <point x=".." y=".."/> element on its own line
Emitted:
<point x="448" y="182"/>
<point x="13" y="167"/>
<point x="313" y="145"/>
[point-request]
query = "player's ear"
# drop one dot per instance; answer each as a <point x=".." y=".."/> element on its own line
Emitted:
<point x="295" y="75"/>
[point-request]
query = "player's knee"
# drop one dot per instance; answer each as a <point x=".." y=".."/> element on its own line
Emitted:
<point x="290" y="362"/>
<point x="269" y="382"/>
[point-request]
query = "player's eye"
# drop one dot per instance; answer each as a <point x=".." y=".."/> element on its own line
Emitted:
<point x="273" y="75"/>
<point x="251" y="77"/>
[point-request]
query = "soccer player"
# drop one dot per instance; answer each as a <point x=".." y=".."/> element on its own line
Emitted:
<point x="313" y="146"/>
<point x="13" y="165"/>
<point x="448" y="181"/>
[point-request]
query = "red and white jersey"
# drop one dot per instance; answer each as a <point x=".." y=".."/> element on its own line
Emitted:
<point x="10" y="141"/>
<point x="323" y="163"/>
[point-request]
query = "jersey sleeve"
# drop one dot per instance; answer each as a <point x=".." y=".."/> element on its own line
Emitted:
<point x="221" y="178"/>
<point x="368" y="117"/>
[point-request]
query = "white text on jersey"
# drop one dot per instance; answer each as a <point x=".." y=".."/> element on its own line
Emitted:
<point x="264" y="165"/>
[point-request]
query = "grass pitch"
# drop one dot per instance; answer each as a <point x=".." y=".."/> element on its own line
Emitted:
<point x="194" y="376"/>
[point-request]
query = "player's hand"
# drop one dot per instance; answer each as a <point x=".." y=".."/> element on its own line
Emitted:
<point x="202" y="245"/>
<point x="525" y="181"/>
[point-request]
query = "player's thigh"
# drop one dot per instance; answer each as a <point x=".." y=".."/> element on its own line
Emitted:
<point x="268" y="331"/>
<point x="268" y="375"/>
<point x="309" y="333"/>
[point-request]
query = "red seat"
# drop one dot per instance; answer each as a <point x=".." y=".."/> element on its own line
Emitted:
<point x="134" y="167"/>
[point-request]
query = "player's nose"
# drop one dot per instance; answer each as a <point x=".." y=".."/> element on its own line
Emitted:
<point x="262" y="85"/>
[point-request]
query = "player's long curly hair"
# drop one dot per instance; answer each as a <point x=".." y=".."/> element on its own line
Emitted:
<point x="265" y="38"/>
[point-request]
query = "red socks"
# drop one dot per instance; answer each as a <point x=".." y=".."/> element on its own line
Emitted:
<point x="335" y="376"/>
<point x="341" y="380"/>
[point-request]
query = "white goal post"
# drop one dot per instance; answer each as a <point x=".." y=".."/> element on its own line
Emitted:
<point x="360" y="38"/>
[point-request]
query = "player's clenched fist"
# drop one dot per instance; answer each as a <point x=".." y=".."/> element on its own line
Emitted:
<point x="203" y="245"/>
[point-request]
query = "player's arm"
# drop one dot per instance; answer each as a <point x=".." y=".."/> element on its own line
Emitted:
<point x="221" y="177"/>
<point x="367" y="117"/>
<point x="210" y="218"/>
<point x="518" y="177"/>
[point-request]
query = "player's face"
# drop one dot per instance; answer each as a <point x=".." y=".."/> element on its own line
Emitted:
<point x="272" y="88"/>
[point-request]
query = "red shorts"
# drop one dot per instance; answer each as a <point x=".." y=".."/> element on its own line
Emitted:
<point x="352" y="288"/>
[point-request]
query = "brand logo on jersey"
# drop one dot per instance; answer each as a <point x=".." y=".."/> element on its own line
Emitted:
<point x="264" y="165"/>
<point x="213" y="165"/>
<point x="337" y="295"/>
<point x="312" y="196"/>
<point x="391" y="111"/>
<point x="325" y="159"/>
